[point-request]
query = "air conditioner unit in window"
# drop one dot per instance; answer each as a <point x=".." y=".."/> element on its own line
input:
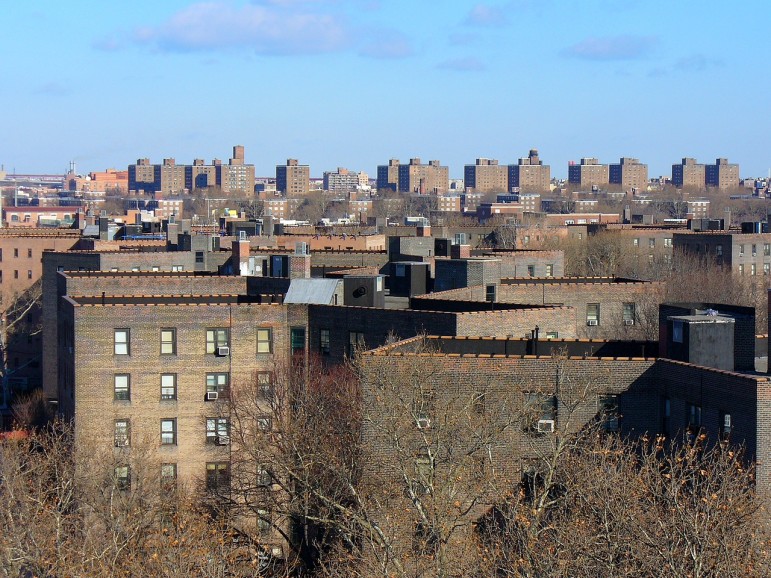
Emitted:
<point x="545" y="425"/>
<point x="628" y="321"/>
<point x="223" y="351"/>
<point x="592" y="322"/>
<point x="212" y="395"/>
<point x="222" y="440"/>
<point x="424" y="423"/>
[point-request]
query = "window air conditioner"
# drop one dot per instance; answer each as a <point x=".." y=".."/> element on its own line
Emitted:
<point x="545" y="425"/>
<point x="222" y="440"/>
<point x="424" y="423"/>
<point x="628" y="321"/>
<point x="212" y="395"/>
<point x="223" y="351"/>
<point x="591" y="322"/>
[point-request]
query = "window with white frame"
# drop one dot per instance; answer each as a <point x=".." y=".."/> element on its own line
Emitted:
<point x="121" y="342"/>
<point x="168" y="386"/>
<point x="122" y="433"/>
<point x="264" y="340"/>
<point x="122" y="387"/>
<point x="169" y="432"/>
<point x="168" y="341"/>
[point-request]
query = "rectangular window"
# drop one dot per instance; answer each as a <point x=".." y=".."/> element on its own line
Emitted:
<point x="169" y="432"/>
<point x="29" y="253"/>
<point x="754" y="250"/>
<point x="324" y="341"/>
<point x="199" y="256"/>
<point x="667" y="242"/>
<point x="741" y="249"/>
<point x="122" y="477"/>
<point x="719" y="250"/>
<point x="264" y="340"/>
<point x="122" y="387"/>
<point x="29" y="273"/>
<point x="636" y="242"/>
<point x="265" y="384"/>
<point x="423" y="408"/>
<point x="168" y="476"/>
<point x="297" y="339"/>
<point x="550" y="270"/>
<point x="15" y="252"/>
<point x="767" y="249"/>
<point x="355" y="342"/>
<point x="753" y="269"/>
<point x="217" y="475"/>
<point x="264" y="523"/>
<point x="629" y="313"/>
<point x="766" y="268"/>
<point x="608" y="410"/>
<point x="666" y="413"/>
<point x="16" y="274"/>
<point x="741" y="269"/>
<point x="651" y="243"/>
<point x="592" y="313"/>
<point x="121" y="342"/>
<point x="540" y="411"/>
<point x="264" y="478"/>
<point x="725" y="425"/>
<point x="490" y="293"/>
<point x="531" y="270"/>
<point x="677" y="331"/>
<point x="265" y="423"/>
<point x="217" y="385"/>
<point x="168" y="386"/>
<point x="217" y="431"/>
<point x="168" y="341"/>
<point x="694" y="416"/>
<point x="122" y="433"/>
<point x="216" y="338"/>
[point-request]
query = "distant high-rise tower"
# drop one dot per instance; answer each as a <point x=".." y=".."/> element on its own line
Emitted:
<point x="688" y="173"/>
<point x="722" y="175"/>
<point x="293" y="179"/>
<point x="629" y="173"/>
<point x="589" y="173"/>
<point x="486" y="176"/>
<point x="530" y="175"/>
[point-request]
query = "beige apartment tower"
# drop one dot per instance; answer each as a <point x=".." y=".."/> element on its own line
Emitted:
<point x="722" y="175"/>
<point x="629" y="173"/>
<point x="589" y="173"/>
<point x="293" y="179"/>
<point x="424" y="179"/>
<point x="530" y="175"/>
<point x="688" y="173"/>
<point x="486" y="176"/>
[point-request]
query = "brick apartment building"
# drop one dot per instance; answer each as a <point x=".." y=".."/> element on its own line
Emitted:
<point x="486" y="176"/>
<point x="293" y="179"/>
<point x="170" y="178"/>
<point x="530" y="175"/>
<point x="629" y="173"/>
<point x="588" y="173"/>
<point x="605" y="308"/>
<point x="742" y="253"/>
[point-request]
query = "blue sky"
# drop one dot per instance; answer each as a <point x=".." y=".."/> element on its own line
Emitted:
<point x="355" y="82"/>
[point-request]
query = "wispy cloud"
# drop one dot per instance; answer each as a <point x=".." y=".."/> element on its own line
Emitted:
<point x="469" y="64"/>
<point x="51" y="88"/>
<point x="267" y="27"/>
<point x="387" y="44"/>
<point x="623" y="47"/>
<point x="111" y="43"/>
<point x="462" y="39"/>
<point x="486" y="15"/>
<point x="697" y="63"/>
